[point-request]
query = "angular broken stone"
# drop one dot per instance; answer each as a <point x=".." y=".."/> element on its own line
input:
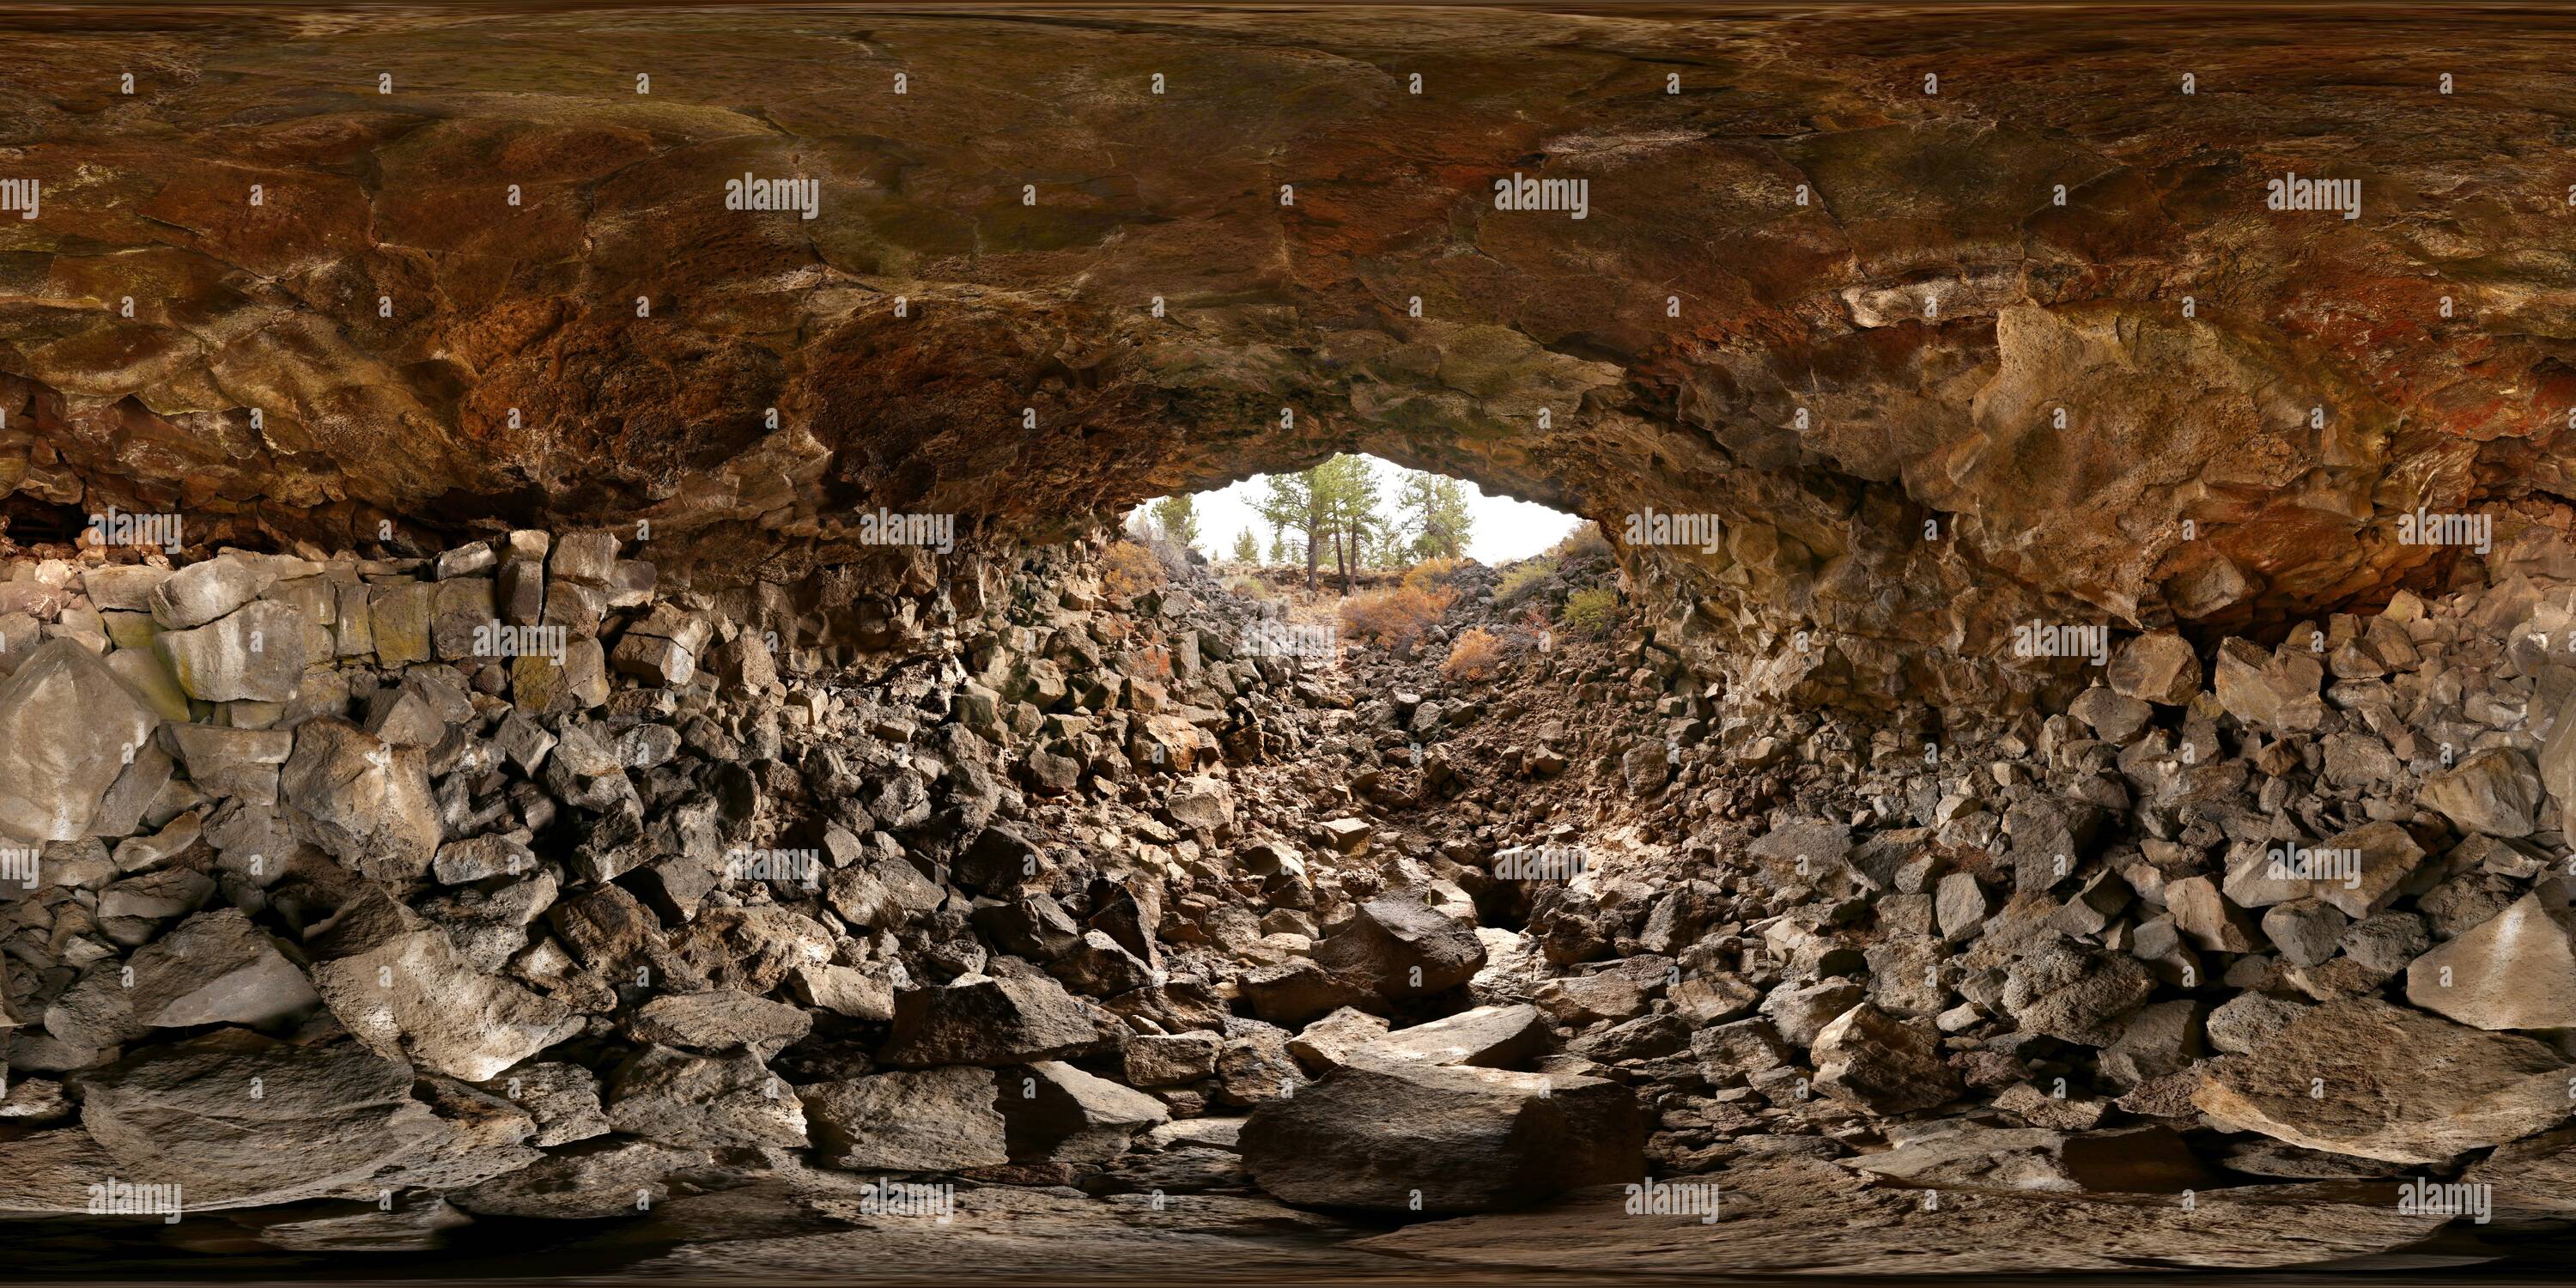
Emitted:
<point x="2074" y="994"/>
<point x="2273" y="693"/>
<point x="721" y="1020"/>
<point x="217" y="968"/>
<point x="563" y="1099"/>
<point x="200" y="592"/>
<point x="2516" y="971"/>
<point x="414" y="996"/>
<point x="367" y="802"/>
<point x="2129" y="1160"/>
<point x="1442" y="1140"/>
<point x="1058" y="1113"/>
<point x="1802" y="1013"/>
<point x="988" y="1021"/>
<point x="481" y="858"/>
<point x="1402" y="949"/>
<point x="2495" y="792"/>
<point x="1178" y="1059"/>
<point x="327" y="1118"/>
<point x="673" y="1098"/>
<point x="2349" y="1077"/>
<point x="68" y="729"/>
<point x="1491" y="1037"/>
<point x="2203" y="914"/>
<point x="1298" y="990"/>
<point x="933" y="1120"/>
<point x="593" y="1180"/>
<point x="843" y="990"/>
<point x="2248" y="1020"/>
<point x="256" y="654"/>
<point x="2158" y="667"/>
<point x="1884" y="1065"/>
<point x="233" y="762"/>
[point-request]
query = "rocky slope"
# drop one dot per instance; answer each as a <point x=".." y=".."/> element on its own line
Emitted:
<point x="364" y="920"/>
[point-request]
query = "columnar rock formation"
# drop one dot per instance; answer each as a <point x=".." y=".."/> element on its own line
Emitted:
<point x="1844" y="280"/>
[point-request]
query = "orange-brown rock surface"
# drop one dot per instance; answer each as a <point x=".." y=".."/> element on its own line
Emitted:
<point x="1806" y="294"/>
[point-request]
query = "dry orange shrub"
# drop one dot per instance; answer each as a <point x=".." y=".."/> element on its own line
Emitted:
<point x="1394" y="618"/>
<point x="1130" y="569"/>
<point x="1476" y="655"/>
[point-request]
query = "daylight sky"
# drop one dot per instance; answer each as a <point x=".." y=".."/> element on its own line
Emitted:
<point x="1503" y="530"/>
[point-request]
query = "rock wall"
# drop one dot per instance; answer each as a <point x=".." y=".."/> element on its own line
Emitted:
<point x="1836" y="278"/>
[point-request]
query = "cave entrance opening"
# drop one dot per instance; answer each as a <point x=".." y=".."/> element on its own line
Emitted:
<point x="1349" y="520"/>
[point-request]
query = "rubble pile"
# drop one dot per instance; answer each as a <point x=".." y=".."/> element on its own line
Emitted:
<point x="506" y="882"/>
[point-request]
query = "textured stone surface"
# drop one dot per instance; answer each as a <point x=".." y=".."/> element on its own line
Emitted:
<point x="68" y="727"/>
<point x="1466" y="1139"/>
<point x="987" y="1021"/>
<point x="2376" y="1099"/>
<point x="318" y="1119"/>
<point x="1928" y="362"/>
<point x="2516" y="971"/>
<point x="415" y="996"/>
<point x="934" y="1120"/>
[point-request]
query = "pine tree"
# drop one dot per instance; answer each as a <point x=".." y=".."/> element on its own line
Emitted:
<point x="1350" y="499"/>
<point x="1297" y="504"/>
<point x="1434" y="510"/>
<point x="1178" y="519"/>
<point x="1247" y="547"/>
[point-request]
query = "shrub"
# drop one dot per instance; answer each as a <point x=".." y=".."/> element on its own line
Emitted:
<point x="1519" y="582"/>
<point x="1431" y="572"/>
<point x="1476" y="655"/>
<point x="1131" y="569"/>
<point x="1394" y="618"/>
<point x="1251" y="587"/>
<point x="1592" y="612"/>
<point x="1584" y="543"/>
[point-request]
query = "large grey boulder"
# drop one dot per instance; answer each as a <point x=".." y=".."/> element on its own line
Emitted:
<point x="415" y="996"/>
<point x="2273" y="693"/>
<point x="68" y="728"/>
<point x="202" y="592"/>
<point x="366" y="801"/>
<point x="1412" y="1138"/>
<point x="673" y="1098"/>
<point x="242" y="1121"/>
<point x="1015" y="1020"/>
<point x="1058" y="1113"/>
<point x="2159" y="667"/>
<point x="2355" y="1076"/>
<point x="256" y="654"/>
<point x="722" y="1020"/>
<point x="563" y="1099"/>
<point x="2495" y="792"/>
<point x="1402" y="949"/>
<point x="217" y="968"/>
<point x="1492" y="1037"/>
<point x="1882" y="1064"/>
<point x="2515" y="971"/>
<point x="933" y="1120"/>
<point x="233" y="762"/>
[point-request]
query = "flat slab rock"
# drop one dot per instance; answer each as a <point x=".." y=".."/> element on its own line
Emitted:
<point x="244" y="1121"/>
<point x="2397" y="1084"/>
<point x="1401" y="1136"/>
<point x="2134" y="1160"/>
<point x="1785" y="1214"/>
